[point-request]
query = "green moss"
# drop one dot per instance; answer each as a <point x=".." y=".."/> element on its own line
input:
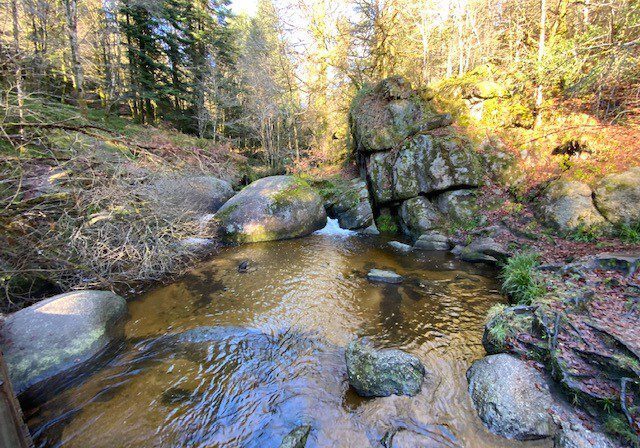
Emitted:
<point x="519" y="279"/>
<point x="618" y="426"/>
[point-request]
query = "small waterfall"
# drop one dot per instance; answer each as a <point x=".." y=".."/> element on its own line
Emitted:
<point x="333" y="229"/>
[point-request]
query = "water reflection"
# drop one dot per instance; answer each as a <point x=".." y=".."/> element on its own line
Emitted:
<point x="250" y="356"/>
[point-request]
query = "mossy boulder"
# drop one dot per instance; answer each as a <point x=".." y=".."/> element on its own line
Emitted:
<point x="512" y="398"/>
<point x="425" y="164"/>
<point x="418" y="216"/>
<point x="273" y="208"/>
<point x="568" y="206"/>
<point x="381" y="373"/>
<point x="617" y="197"/>
<point x="46" y="344"/>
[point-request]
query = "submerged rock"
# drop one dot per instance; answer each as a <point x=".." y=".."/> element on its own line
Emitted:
<point x="568" y="206"/>
<point x="296" y="438"/>
<point x="378" y="275"/>
<point x="380" y="373"/>
<point x="46" y="343"/>
<point x="273" y="208"/>
<point x="617" y="197"/>
<point x="511" y="397"/>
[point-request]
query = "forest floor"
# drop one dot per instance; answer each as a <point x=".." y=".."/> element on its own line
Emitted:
<point x="74" y="211"/>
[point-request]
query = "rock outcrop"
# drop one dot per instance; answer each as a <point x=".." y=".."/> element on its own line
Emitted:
<point x="617" y="197"/>
<point x="381" y="373"/>
<point x="409" y="167"/>
<point x="46" y="344"/>
<point x="273" y="208"/>
<point x="511" y="397"/>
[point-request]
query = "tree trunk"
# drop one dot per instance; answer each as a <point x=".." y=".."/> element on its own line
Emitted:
<point x="71" y="15"/>
<point x="541" y="54"/>
<point x="18" y="62"/>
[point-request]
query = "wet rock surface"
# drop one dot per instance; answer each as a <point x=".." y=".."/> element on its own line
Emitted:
<point x="273" y="208"/>
<point x="432" y="241"/>
<point x="381" y="373"/>
<point x="47" y="344"/>
<point x="512" y="398"/>
<point x="382" y="276"/>
<point x="296" y="438"/>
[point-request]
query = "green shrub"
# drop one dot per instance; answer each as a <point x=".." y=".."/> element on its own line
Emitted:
<point x="386" y="224"/>
<point x="519" y="279"/>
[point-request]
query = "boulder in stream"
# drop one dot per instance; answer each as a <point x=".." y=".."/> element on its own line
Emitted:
<point x="511" y="397"/>
<point x="381" y="373"/>
<point x="197" y="194"/>
<point x="273" y="208"/>
<point x="48" y="342"/>
<point x="296" y="438"/>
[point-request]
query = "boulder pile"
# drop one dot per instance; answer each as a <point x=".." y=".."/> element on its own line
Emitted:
<point x="415" y="164"/>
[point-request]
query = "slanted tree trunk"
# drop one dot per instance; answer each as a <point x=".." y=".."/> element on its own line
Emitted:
<point x="71" y="15"/>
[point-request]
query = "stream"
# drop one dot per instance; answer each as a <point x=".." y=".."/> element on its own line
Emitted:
<point x="271" y="354"/>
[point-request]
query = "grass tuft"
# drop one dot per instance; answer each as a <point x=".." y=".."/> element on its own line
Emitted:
<point x="520" y="281"/>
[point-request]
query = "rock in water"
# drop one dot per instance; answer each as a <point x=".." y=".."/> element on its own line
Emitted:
<point x="511" y="397"/>
<point x="432" y="241"/>
<point x="378" y="275"/>
<point x="296" y="438"/>
<point x="273" y="208"/>
<point x="54" y="337"/>
<point x="618" y="197"/>
<point x="397" y="245"/>
<point x="381" y="373"/>
<point x="568" y="206"/>
<point x="418" y="216"/>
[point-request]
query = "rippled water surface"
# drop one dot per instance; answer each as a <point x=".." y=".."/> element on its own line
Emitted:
<point x="271" y="354"/>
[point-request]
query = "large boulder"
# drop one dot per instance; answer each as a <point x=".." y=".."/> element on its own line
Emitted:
<point x="511" y="397"/>
<point x="618" y="197"/>
<point x="423" y="165"/>
<point x="351" y="206"/>
<point x="48" y="342"/>
<point x="458" y="205"/>
<point x="382" y="117"/>
<point x="197" y="194"/>
<point x="273" y="208"/>
<point x="418" y="216"/>
<point x="568" y="206"/>
<point x="381" y="373"/>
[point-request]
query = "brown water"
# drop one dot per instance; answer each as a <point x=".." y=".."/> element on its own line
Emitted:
<point x="272" y="357"/>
